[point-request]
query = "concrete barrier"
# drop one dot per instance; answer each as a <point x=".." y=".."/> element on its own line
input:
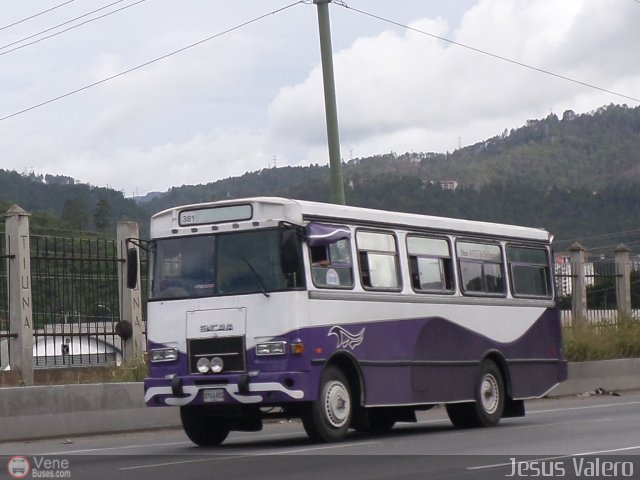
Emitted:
<point x="611" y="375"/>
<point x="61" y="410"/>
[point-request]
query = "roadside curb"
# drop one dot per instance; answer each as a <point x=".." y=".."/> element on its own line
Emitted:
<point x="610" y="375"/>
<point x="61" y="410"/>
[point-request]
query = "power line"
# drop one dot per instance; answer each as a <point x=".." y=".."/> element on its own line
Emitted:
<point x="66" y="29"/>
<point x="602" y="235"/>
<point x="59" y="25"/>
<point x="484" y="52"/>
<point x="610" y="246"/>
<point x="36" y="15"/>
<point x="157" y="59"/>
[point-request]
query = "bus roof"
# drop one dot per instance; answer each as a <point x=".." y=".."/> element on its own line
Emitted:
<point x="300" y="212"/>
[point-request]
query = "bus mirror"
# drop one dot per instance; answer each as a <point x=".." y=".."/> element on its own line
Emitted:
<point x="289" y="257"/>
<point x="132" y="268"/>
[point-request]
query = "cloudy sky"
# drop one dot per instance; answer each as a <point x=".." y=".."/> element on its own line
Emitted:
<point x="251" y="98"/>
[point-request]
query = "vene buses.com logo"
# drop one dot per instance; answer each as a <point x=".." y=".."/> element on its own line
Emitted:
<point x="18" y="467"/>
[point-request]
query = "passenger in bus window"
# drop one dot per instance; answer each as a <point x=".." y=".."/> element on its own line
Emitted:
<point x="319" y="256"/>
<point x="331" y="264"/>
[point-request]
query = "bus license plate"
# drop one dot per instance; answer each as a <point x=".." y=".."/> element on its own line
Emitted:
<point x="215" y="395"/>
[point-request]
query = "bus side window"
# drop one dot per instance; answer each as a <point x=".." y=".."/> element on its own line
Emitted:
<point x="331" y="265"/>
<point x="481" y="269"/>
<point x="378" y="255"/>
<point x="430" y="264"/>
<point x="530" y="273"/>
<point x="364" y="270"/>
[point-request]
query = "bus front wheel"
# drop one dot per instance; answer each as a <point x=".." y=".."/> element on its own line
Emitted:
<point x="489" y="395"/>
<point x="327" y="419"/>
<point x="202" y="429"/>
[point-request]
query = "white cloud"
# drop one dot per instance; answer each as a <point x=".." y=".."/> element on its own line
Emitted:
<point x="201" y="159"/>
<point x="403" y="90"/>
<point x="233" y="104"/>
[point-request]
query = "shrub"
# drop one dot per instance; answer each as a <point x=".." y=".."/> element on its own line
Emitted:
<point x="132" y="370"/>
<point x="604" y="341"/>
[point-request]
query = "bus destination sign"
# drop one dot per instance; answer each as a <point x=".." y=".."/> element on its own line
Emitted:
<point x="203" y="216"/>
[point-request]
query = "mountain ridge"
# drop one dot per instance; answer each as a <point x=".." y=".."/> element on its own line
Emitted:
<point x="577" y="176"/>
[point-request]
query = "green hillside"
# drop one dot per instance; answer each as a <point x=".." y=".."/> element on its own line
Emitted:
<point x="58" y="202"/>
<point x="577" y="176"/>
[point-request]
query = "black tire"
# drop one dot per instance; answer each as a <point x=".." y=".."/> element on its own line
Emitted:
<point x="202" y="429"/>
<point x="380" y="421"/>
<point x="376" y="420"/>
<point x="328" y="418"/>
<point x="489" y="395"/>
<point x="461" y="414"/>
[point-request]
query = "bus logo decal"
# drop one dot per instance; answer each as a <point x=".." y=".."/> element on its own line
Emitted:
<point x="216" y="327"/>
<point x="345" y="338"/>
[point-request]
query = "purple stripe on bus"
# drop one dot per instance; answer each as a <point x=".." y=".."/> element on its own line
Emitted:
<point x="424" y="360"/>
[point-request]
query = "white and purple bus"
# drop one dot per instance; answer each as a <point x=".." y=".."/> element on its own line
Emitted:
<point x="345" y="317"/>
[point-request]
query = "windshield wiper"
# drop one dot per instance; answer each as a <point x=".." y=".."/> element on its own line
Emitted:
<point x="261" y="284"/>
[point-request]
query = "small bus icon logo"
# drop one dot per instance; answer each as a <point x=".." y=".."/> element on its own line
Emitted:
<point x="18" y="467"/>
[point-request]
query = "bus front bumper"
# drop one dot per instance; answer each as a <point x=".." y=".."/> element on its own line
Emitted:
<point x="267" y="389"/>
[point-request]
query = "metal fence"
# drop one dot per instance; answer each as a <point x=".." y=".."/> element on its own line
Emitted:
<point x="601" y="276"/>
<point x="4" y="306"/>
<point x="635" y="286"/>
<point x="601" y="291"/>
<point x="75" y="301"/>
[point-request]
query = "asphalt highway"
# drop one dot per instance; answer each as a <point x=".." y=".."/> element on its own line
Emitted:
<point x="578" y="437"/>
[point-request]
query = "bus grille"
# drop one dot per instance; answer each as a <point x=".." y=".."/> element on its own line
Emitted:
<point x="230" y="349"/>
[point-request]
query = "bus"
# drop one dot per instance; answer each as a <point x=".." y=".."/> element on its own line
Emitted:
<point x="344" y="317"/>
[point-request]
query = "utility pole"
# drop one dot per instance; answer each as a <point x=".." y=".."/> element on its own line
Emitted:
<point x="331" y="110"/>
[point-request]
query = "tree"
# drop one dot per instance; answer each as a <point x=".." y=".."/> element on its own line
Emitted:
<point x="102" y="216"/>
<point x="75" y="215"/>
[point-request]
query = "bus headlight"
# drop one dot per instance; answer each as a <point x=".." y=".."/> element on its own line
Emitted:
<point x="271" y="348"/>
<point x="203" y="365"/>
<point x="217" y="364"/>
<point x="163" y="355"/>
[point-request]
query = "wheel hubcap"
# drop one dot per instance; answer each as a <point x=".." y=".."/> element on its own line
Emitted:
<point x="490" y="394"/>
<point x="337" y="405"/>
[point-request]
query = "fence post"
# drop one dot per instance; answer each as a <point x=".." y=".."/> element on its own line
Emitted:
<point x="130" y="301"/>
<point x="623" y="280"/>
<point x="19" y="286"/>
<point x="579" y="285"/>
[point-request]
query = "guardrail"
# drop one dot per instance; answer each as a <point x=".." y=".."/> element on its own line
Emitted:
<point x="63" y="410"/>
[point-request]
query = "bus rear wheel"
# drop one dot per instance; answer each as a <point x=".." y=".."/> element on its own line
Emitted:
<point x="202" y="429"/>
<point x="328" y="418"/>
<point x="489" y="395"/>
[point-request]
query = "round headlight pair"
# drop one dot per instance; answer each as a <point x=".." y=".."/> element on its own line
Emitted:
<point x="215" y="365"/>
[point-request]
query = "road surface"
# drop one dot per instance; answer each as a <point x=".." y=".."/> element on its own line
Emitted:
<point x="578" y="437"/>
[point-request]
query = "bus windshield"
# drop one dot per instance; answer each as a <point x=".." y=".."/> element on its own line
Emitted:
<point x="226" y="264"/>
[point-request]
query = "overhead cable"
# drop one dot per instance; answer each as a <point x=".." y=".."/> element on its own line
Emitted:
<point x="484" y="52"/>
<point x="635" y="231"/>
<point x="60" y="25"/>
<point x="66" y="29"/>
<point x="36" y="15"/>
<point x="157" y="59"/>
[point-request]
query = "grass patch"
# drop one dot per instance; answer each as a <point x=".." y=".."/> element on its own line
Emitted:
<point x="603" y="341"/>
<point x="131" y="370"/>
